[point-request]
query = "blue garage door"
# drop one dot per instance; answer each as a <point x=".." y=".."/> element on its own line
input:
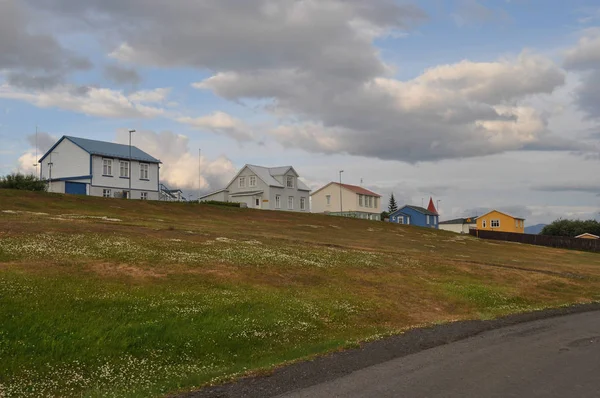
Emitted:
<point x="75" y="188"/>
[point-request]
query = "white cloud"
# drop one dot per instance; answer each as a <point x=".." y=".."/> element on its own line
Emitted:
<point x="180" y="168"/>
<point x="92" y="101"/>
<point x="221" y="123"/>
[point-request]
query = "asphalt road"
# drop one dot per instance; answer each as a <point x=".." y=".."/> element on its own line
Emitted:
<point x="551" y="358"/>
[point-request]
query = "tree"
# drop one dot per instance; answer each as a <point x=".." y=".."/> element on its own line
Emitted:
<point x="384" y="215"/>
<point x="571" y="228"/>
<point x="22" y="182"/>
<point x="393" y="206"/>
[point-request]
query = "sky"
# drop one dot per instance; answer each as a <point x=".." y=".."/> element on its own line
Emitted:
<point x="479" y="104"/>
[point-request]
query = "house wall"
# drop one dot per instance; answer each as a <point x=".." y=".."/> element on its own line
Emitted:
<point x="350" y="201"/>
<point x="119" y="183"/>
<point x="416" y="218"/>
<point x="507" y="223"/>
<point x="457" y="228"/>
<point x="222" y="196"/>
<point x="68" y="160"/>
<point x="234" y="187"/>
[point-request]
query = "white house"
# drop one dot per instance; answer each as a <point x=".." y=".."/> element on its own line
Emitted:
<point x="459" y="225"/>
<point x="275" y="188"/>
<point x="347" y="200"/>
<point x="87" y="167"/>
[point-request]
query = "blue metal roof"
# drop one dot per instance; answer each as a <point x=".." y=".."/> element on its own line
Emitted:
<point x="108" y="149"/>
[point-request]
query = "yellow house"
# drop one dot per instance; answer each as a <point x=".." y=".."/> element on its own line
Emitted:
<point x="498" y="221"/>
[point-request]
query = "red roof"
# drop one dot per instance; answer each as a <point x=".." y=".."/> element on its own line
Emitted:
<point x="431" y="206"/>
<point x="358" y="190"/>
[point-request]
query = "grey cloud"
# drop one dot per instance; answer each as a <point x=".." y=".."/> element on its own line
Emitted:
<point x="585" y="57"/>
<point x="587" y="96"/>
<point x="122" y="75"/>
<point x="43" y="141"/>
<point x="570" y="187"/>
<point x="35" y="59"/>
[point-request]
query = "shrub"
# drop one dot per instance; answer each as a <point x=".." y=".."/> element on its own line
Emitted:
<point x="218" y="203"/>
<point x="572" y="228"/>
<point x="23" y="182"/>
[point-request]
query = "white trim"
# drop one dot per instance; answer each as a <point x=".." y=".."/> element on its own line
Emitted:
<point x="144" y="171"/>
<point x="277" y="201"/>
<point x="242" y="182"/>
<point x="107" y="164"/>
<point x="302" y="203"/>
<point x="252" y="181"/>
<point x="497" y="222"/>
<point x="123" y="163"/>
<point x="290" y="203"/>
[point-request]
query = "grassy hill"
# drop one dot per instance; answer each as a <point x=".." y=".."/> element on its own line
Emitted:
<point x="102" y="297"/>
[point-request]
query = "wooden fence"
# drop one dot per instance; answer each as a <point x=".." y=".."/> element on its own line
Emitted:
<point x="541" y="240"/>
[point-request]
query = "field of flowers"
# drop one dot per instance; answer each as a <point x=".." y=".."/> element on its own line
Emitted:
<point x="110" y="298"/>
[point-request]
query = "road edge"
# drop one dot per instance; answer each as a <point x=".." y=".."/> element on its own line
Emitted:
<point x="328" y="367"/>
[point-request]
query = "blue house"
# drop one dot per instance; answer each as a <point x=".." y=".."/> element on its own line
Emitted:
<point x="415" y="215"/>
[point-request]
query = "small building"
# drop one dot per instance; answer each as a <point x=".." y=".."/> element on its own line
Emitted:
<point x="587" y="236"/>
<point x="347" y="201"/>
<point x="415" y="215"/>
<point x="459" y="225"/>
<point x="502" y="222"/>
<point x="267" y="188"/>
<point x="88" y="167"/>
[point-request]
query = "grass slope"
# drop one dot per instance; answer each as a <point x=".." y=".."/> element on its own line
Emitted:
<point x="103" y="297"/>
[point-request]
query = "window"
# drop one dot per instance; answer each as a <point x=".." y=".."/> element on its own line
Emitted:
<point x="484" y="223"/>
<point x="252" y="181"/>
<point x="106" y="193"/>
<point x="328" y="200"/>
<point x="107" y="167"/>
<point x="302" y="203"/>
<point x="257" y="202"/>
<point x="278" y="201"/>
<point x="144" y="196"/>
<point x="375" y="202"/>
<point x="427" y="220"/>
<point x="495" y="224"/>
<point x="370" y="201"/>
<point x="124" y="169"/>
<point x="242" y="182"/>
<point x="360" y="200"/>
<point x="400" y="220"/>
<point x="517" y="223"/>
<point x="291" y="203"/>
<point x="144" y="171"/>
<point x="290" y="181"/>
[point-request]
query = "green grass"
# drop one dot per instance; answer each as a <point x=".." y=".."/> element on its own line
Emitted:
<point x="102" y="298"/>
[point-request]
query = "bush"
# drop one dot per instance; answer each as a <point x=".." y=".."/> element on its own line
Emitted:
<point x="22" y="182"/>
<point x="218" y="203"/>
<point x="571" y="228"/>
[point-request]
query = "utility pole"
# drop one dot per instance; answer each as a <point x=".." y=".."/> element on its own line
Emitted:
<point x="129" y="168"/>
<point x="341" y="204"/>
<point x="199" y="172"/>
<point x="36" y="153"/>
<point x="50" y="164"/>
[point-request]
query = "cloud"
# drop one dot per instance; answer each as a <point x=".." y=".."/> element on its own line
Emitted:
<point x="122" y="75"/>
<point x="180" y="166"/>
<point x="26" y="163"/>
<point x="451" y="111"/>
<point x="593" y="188"/>
<point x="221" y="123"/>
<point x="92" y="101"/>
<point x="32" y="59"/>
<point x="585" y="59"/>
<point x="42" y="140"/>
<point x="471" y="12"/>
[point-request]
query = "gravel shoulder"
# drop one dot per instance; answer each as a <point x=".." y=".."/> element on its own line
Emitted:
<point x="330" y="367"/>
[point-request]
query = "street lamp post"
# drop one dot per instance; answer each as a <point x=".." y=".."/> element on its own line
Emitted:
<point x="129" y="171"/>
<point x="341" y="203"/>
<point x="50" y="164"/>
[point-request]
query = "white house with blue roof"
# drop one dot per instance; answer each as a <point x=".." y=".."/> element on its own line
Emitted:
<point x="267" y="188"/>
<point x="96" y="168"/>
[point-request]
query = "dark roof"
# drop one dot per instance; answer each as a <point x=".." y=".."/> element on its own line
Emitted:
<point x="109" y="149"/>
<point x="417" y="209"/>
<point x="353" y="188"/>
<point x="461" y="221"/>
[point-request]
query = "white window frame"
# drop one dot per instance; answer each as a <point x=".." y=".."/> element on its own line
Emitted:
<point x="257" y="202"/>
<point x="328" y="198"/>
<point x="428" y="223"/>
<point x="290" y="182"/>
<point x="252" y="181"/>
<point x="107" y="167"/>
<point x="303" y="203"/>
<point x="497" y="222"/>
<point x="290" y="203"/>
<point x="484" y="223"/>
<point x="242" y="182"/>
<point x="360" y="201"/>
<point x="400" y="220"/>
<point x="278" y="201"/>
<point x="370" y="202"/>
<point x="144" y="196"/>
<point x="124" y="166"/>
<point x="374" y="202"/>
<point x="107" y="193"/>
<point x="144" y="171"/>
